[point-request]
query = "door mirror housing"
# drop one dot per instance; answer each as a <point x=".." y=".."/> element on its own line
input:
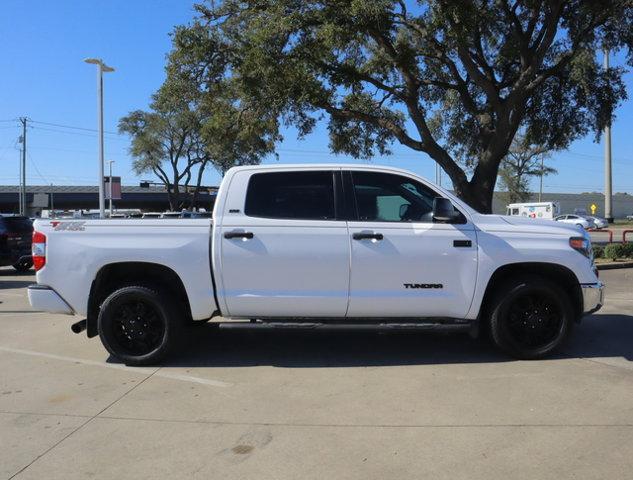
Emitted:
<point x="444" y="211"/>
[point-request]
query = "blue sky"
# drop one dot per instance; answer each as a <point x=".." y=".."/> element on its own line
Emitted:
<point x="43" y="77"/>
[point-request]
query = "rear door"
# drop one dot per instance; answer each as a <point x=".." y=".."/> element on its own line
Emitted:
<point x="402" y="263"/>
<point x="284" y="252"/>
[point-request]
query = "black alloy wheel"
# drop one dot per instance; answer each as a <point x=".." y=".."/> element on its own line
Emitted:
<point x="530" y="317"/>
<point x="140" y="325"/>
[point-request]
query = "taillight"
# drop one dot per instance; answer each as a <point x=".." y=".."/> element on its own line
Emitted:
<point x="38" y="250"/>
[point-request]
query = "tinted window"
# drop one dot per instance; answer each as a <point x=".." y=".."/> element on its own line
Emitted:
<point x="16" y="224"/>
<point x="300" y="195"/>
<point x="384" y="197"/>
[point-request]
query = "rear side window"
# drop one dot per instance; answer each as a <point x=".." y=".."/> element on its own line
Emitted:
<point x="291" y="195"/>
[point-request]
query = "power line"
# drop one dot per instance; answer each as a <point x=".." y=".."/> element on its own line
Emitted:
<point x="92" y="135"/>
<point x="73" y="127"/>
<point x="37" y="170"/>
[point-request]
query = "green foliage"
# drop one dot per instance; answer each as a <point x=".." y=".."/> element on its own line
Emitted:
<point x="197" y="118"/>
<point x="598" y="251"/>
<point x="614" y="251"/>
<point x="524" y="160"/>
<point x="453" y="80"/>
<point x="627" y="250"/>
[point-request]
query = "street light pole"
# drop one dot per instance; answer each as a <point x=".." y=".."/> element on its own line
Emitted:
<point x="110" y="186"/>
<point x="103" y="68"/>
<point x="607" y="159"/>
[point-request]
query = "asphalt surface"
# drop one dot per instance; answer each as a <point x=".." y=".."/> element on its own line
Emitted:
<point x="337" y="405"/>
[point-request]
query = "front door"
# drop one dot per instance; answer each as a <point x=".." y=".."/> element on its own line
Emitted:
<point x="284" y="253"/>
<point x="403" y="264"/>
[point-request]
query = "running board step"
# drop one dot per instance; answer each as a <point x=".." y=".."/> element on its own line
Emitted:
<point x="448" y="327"/>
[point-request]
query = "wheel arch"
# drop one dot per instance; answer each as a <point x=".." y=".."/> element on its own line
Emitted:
<point x="560" y="274"/>
<point x="116" y="275"/>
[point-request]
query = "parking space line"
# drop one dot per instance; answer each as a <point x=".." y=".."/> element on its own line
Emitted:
<point x="118" y="366"/>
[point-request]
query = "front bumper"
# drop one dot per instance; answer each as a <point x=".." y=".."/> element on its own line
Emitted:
<point x="44" y="298"/>
<point x="592" y="296"/>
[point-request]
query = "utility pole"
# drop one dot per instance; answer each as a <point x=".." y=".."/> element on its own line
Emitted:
<point x="110" y="186"/>
<point x="540" y="191"/>
<point x="23" y="121"/>
<point x="607" y="159"/>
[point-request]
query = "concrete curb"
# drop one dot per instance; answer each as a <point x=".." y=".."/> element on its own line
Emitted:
<point x="614" y="265"/>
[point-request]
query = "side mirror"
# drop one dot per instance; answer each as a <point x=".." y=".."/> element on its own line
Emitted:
<point x="443" y="210"/>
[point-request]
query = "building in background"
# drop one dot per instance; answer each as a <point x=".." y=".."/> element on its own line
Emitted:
<point x="41" y="197"/>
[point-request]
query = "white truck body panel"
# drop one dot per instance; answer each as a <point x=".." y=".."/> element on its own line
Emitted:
<point x="310" y="268"/>
<point x="75" y="255"/>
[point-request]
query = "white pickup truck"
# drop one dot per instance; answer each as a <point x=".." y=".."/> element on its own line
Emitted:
<point x="312" y="246"/>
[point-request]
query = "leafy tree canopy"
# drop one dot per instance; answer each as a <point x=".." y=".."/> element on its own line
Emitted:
<point x="454" y="79"/>
<point x="197" y="119"/>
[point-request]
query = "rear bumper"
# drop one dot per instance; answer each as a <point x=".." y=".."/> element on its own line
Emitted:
<point x="44" y="298"/>
<point x="592" y="296"/>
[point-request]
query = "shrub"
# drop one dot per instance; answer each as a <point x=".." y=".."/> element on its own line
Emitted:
<point x="598" y="251"/>
<point x="614" y="250"/>
<point x="627" y="250"/>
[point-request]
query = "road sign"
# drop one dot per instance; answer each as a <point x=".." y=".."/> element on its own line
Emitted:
<point x="593" y="208"/>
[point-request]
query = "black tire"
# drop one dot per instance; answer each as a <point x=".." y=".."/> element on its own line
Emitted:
<point x="23" y="265"/>
<point x="139" y="325"/>
<point x="530" y="317"/>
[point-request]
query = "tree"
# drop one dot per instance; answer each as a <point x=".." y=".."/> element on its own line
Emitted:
<point x="161" y="140"/>
<point x="454" y="80"/>
<point x="522" y="162"/>
<point x="196" y="120"/>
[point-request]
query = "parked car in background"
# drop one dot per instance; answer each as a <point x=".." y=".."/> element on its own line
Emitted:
<point x="574" y="220"/>
<point x="597" y="222"/>
<point x="152" y="215"/>
<point x="629" y="217"/>
<point x="15" y="242"/>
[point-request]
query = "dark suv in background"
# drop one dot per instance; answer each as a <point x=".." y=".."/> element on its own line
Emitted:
<point x="15" y="242"/>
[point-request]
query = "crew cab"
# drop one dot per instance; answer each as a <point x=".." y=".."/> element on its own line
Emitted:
<point x="316" y="246"/>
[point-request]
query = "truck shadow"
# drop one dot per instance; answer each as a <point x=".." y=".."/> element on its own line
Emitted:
<point x="17" y="279"/>
<point x="206" y="346"/>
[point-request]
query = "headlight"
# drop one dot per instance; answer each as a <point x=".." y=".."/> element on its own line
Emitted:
<point x="582" y="245"/>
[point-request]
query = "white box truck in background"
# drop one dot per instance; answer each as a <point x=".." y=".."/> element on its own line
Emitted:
<point x="540" y="210"/>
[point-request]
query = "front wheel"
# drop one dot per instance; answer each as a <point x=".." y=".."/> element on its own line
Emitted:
<point x="139" y="325"/>
<point x="531" y="317"/>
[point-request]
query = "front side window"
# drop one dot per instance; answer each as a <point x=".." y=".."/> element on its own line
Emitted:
<point x="383" y="197"/>
<point x="291" y="195"/>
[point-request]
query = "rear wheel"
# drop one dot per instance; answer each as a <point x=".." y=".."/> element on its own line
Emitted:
<point x="531" y="317"/>
<point x="139" y="325"/>
<point x="23" y="265"/>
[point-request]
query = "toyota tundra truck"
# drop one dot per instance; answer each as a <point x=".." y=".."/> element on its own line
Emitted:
<point x="318" y="246"/>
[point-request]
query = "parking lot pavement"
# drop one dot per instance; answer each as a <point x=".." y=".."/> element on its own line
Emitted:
<point x="315" y="405"/>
